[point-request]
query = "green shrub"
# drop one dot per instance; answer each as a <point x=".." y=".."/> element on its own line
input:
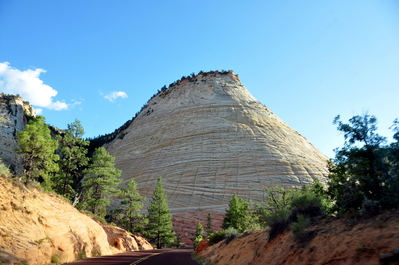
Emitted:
<point x="4" y="170"/>
<point x="230" y="234"/>
<point x="81" y="255"/>
<point x="278" y="221"/>
<point x="370" y="207"/>
<point x="55" y="259"/>
<point x="216" y="237"/>
<point x="197" y="239"/>
<point x="302" y="223"/>
<point x="305" y="203"/>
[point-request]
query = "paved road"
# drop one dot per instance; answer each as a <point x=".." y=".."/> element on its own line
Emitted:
<point x="166" y="256"/>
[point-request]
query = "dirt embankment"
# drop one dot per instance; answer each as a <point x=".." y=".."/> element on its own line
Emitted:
<point x="41" y="228"/>
<point x="329" y="241"/>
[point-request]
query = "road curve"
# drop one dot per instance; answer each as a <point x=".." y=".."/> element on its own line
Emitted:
<point x="167" y="256"/>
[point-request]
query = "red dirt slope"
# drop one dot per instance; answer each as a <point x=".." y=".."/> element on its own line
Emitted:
<point x="330" y="241"/>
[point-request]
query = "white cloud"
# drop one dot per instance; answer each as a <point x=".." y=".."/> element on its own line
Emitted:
<point x="29" y="86"/>
<point x="114" y="95"/>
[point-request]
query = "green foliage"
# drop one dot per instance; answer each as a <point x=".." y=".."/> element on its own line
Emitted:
<point x="76" y="129"/>
<point x="128" y="215"/>
<point x="208" y="228"/>
<point x="366" y="168"/>
<point x="159" y="228"/>
<point x="278" y="221"/>
<point x="306" y="203"/>
<point x="81" y="255"/>
<point x="199" y="230"/>
<point x="230" y="233"/>
<point x="4" y="171"/>
<point x="98" y="219"/>
<point x="73" y="151"/>
<point x="276" y="198"/>
<point x="55" y="259"/>
<point x="197" y="240"/>
<point x="239" y="215"/>
<point x="302" y="223"/>
<point x="37" y="150"/>
<point x="216" y="237"/>
<point x="100" y="178"/>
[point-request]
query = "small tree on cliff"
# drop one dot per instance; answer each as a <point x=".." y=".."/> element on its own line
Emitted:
<point x="159" y="228"/>
<point x="37" y="149"/>
<point x="100" y="178"/>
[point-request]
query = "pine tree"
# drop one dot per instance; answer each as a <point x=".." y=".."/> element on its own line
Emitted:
<point x="208" y="228"/>
<point x="73" y="151"/>
<point x="238" y="215"/>
<point x="100" y="178"/>
<point x="199" y="230"/>
<point x="159" y="228"/>
<point x="128" y="214"/>
<point x="37" y="149"/>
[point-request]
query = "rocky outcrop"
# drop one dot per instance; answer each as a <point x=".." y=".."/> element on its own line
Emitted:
<point x="38" y="228"/>
<point x="125" y="241"/>
<point x="13" y="113"/>
<point x="209" y="138"/>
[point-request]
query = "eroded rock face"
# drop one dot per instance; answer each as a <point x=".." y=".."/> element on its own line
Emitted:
<point x="13" y="111"/>
<point x="209" y="138"/>
<point x="37" y="228"/>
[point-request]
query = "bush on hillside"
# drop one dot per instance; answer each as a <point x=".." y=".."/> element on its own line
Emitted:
<point x="4" y="170"/>
<point x="301" y="224"/>
<point x="305" y="203"/>
<point x="278" y="221"/>
<point x="230" y="234"/>
<point x="216" y="237"/>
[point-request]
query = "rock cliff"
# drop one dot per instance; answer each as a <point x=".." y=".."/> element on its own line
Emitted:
<point x="13" y="118"/>
<point x="40" y="228"/>
<point x="209" y="138"/>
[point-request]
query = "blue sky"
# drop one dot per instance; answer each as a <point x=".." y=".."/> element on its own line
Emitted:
<point x="100" y="61"/>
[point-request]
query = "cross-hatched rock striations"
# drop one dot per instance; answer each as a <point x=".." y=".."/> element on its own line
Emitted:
<point x="209" y="138"/>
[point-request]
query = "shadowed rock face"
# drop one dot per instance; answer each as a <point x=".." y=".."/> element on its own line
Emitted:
<point x="209" y="138"/>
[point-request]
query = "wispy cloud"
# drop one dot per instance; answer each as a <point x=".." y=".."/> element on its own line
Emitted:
<point x="114" y="95"/>
<point x="29" y="86"/>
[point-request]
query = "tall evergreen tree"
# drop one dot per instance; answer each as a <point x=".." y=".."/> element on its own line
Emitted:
<point x="100" y="178"/>
<point x="73" y="151"/>
<point x="199" y="230"/>
<point x="159" y="228"/>
<point x="208" y="228"/>
<point x="37" y="149"/>
<point x="128" y="215"/>
<point x="238" y="215"/>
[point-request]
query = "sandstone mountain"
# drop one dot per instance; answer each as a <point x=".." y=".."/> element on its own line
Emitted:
<point x="41" y="228"/>
<point x="209" y="138"/>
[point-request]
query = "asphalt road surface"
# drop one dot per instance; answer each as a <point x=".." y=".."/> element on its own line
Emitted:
<point x="167" y="256"/>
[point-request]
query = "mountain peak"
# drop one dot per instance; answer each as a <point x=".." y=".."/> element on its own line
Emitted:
<point x="209" y="138"/>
